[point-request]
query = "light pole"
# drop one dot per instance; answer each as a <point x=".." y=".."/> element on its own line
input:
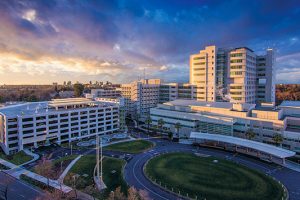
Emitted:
<point x="99" y="156"/>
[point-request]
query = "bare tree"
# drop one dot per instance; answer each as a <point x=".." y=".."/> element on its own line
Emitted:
<point x="117" y="195"/>
<point x="45" y="167"/>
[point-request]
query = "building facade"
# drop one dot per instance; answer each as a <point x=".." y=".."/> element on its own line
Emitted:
<point x="237" y="75"/>
<point x="60" y="120"/>
<point x="233" y="119"/>
<point x="140" y="96"/>
<point x="104" y="93"/>
<point x="172" y="91"/>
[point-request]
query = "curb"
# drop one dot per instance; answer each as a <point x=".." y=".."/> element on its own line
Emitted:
<point x="167" y="190"/>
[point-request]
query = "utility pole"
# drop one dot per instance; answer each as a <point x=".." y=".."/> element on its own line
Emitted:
<point x="101" y="158"/>
<point x="97" y="154"/>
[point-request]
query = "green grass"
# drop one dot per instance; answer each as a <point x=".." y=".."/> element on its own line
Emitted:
<point x="36" y="183"/>
<point x="136" y="146"/>
<point x="86" y="166"/>
<point x="201" y="177"/>
<point x="65" y="158"/>
<point x="59" y="165"/>
<point x="17" y="159"/>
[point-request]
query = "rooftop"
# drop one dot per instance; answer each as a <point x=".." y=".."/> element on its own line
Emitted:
<point x="269" y="109"/>
<point x="266" y="148"/>
<point x="225" y="105"/>
<point x="32" y="108"/>
<point x="290" y="104"/>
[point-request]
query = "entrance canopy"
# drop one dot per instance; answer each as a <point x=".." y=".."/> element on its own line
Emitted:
<point x="262" y="147"/>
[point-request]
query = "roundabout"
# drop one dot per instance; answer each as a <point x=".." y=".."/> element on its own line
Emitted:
<point x="206" y="177"/>
<point x="135" y="172"/>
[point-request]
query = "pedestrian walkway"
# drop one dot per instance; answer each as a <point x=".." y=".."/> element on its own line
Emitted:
<point x="7" y="164"/>
<point x="65" y="172"/>
<point x="292" y="165"/>
<point x="16" y="171"/>
<point x="120" y="141"/>
<point x="52" y="183"/>
<point x="34" y="155"/>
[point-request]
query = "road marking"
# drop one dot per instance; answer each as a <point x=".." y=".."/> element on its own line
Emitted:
<point x="142" y="183"/>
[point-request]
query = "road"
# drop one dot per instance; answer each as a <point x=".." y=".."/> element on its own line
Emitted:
<point x="134" y="174"/>
<point x="17" y="190"/>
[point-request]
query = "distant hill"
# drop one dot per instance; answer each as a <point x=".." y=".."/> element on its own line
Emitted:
<point x="289" y="92"/>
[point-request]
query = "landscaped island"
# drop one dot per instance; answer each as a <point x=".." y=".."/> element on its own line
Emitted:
<point x="136" y="146"/>
<point x="211" y="178"/>
<point x="81" y="176"/>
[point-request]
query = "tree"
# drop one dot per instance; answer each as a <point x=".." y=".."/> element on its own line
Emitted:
<point x="250" y="134"/>
<point x="148" y="121"/>
<point x="133" y="194"/>
<point x="170" y="136"/>
<point x="44" y="167"/>
<point x="177" y="127"/>
<point x="278" y="139"/>
<point x="160" y="124"/>
<point x="116" y="195"/>
<point x="78" y="89"/>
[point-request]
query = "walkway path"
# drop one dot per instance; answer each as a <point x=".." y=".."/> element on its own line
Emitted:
<point x="17" y="171"/>
<point x="34" y="155"/>
<point x="65" y="172"/>
<point x="292" y="165"/>
<point x="119" y="141"/>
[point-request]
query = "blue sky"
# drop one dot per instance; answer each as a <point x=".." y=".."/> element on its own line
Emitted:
<point x="52" y="41"/>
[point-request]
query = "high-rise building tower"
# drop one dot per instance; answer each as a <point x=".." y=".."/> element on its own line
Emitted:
<point x="203" y="73"/>
<point x="265" y="77"/>
<point x="242" y="77"/>
<point x="237" y="75"/>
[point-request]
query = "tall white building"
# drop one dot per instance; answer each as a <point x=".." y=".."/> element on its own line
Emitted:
<point x="203" y="73"/>
<point x="237" y="75"/>
<point x="60" y="120"/>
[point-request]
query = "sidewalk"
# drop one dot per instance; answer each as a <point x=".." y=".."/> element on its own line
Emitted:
<point x="17" y="171"/>
<point x="292" y="165"/>
<point x="65" y="172"/>
<point x="34" y="155"/>
<point x="7" y="164"/>
<point x="120" y="141"/>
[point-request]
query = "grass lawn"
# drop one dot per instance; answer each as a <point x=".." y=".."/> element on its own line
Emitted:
<point x="17" y="159"/>
<point x="136" y="146"/>
<point x="201" y="177"/>
<point x="112" y="175"/>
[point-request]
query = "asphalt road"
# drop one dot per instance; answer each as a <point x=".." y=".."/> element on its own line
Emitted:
<point x="17" y="190"/>
<point x="135" y="176"/>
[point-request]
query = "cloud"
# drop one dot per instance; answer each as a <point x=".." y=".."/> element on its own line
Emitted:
<point x="288" y="69"/>
<point x="110" y="39"/>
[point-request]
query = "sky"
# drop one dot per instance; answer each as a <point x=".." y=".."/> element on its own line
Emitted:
<point x="117" y="40"/>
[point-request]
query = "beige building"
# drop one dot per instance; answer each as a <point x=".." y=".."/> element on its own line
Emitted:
<point x="203" y="73"/>
<point x="237" y="75"/>
<point x="140" y="96"/>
